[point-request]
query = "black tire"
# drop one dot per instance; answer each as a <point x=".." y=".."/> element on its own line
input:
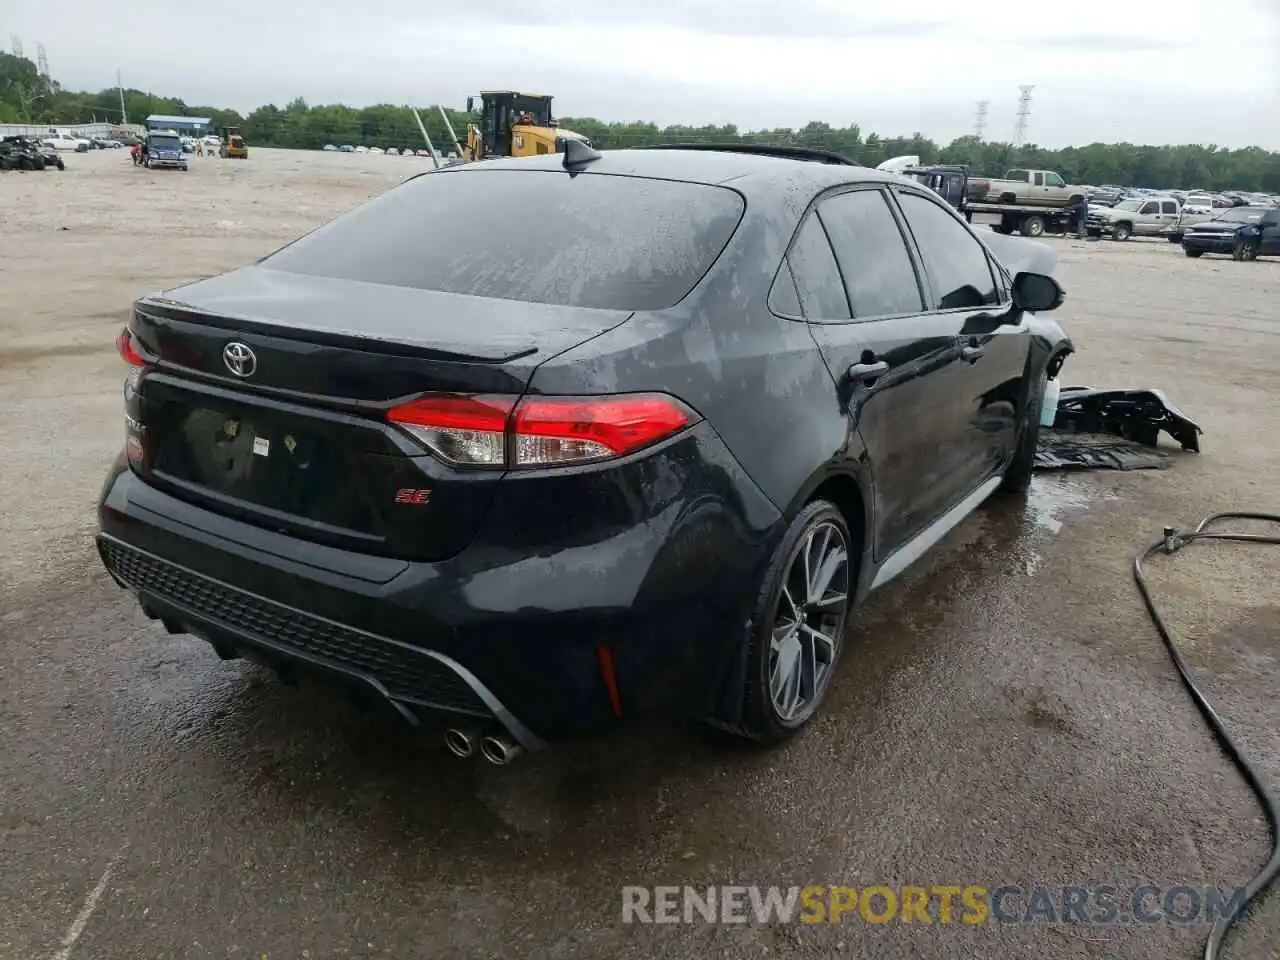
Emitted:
<point x="761" y="720"/>
<point x="1246" y="250"/>
<point x="1032" y="226"/>
<point x="1121" y="232"/>
<point x="1193" y="254"/>
<point x="26" y="163"/>
<point x="1017" y="477"/>
<point x="61" y="165"/>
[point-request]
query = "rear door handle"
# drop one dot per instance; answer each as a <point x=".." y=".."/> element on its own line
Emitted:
<point x="865" y="374"/>
<point x="971" y="354"/>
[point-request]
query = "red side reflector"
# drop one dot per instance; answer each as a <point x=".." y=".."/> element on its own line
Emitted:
<point x="128" y="352"/>
<point x="610" y="677"/>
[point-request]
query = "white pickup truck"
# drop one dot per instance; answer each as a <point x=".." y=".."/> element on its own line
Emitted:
<point x="61" y="140"/>
<point x="1040" y="188"/>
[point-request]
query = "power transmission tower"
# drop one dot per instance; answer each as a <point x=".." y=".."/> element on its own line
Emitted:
<point x="42" y="62"/>
<point x="1024" y="114"/>
<point x="980" y="119"/>
<point x="15" y="45"/>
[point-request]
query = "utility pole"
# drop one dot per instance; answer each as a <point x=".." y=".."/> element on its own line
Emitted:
<point x="124" y="116"/>
<point x="980" y="119"/>
<point x="1024" y="115"/>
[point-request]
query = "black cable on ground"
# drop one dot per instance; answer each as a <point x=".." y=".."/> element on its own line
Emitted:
<point x="1170" y="543"/>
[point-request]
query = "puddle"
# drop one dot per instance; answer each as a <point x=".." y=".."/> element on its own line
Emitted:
<point x="1017" y="531"/>
<point x="1051" y="499"/>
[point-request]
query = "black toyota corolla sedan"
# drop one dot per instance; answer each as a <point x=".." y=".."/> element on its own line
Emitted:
<point x="542" y="446"/>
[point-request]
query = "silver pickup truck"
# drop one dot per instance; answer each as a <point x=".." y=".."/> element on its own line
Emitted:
<point x="1043" y="188"/>
<point x="1135" y="217"/>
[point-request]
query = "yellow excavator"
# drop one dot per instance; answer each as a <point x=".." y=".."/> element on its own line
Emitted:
<point x="511" y="124"/>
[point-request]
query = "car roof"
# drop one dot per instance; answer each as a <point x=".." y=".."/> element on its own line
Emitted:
<point x="748" y="172"/>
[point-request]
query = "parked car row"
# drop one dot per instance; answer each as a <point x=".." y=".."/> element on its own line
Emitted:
<point x="389" y="151"/>
<point x="71" y="142"/>
<point x="1110" y="195"/>
<point x="1174" y="218"/>
<point x="1243" y="232"/>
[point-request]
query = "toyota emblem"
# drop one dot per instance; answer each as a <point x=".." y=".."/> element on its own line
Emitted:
<point x="239" y="359"/>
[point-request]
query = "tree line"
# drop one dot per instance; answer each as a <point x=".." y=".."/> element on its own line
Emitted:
<point x="26" y="97"/>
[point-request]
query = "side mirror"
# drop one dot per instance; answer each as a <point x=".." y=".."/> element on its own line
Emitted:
<point x="1037" y="293"/>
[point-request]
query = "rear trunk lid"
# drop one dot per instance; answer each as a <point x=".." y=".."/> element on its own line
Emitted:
<point x="266" y="394"/>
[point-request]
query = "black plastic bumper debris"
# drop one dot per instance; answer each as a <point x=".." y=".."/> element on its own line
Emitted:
<point x="1113" y="430"/>
<point x="1083" y="451"/>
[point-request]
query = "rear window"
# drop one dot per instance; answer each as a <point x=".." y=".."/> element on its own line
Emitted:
<point x="622" y="243"/>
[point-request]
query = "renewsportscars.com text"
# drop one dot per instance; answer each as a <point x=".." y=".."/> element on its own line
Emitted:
<point x="938" y="904"/>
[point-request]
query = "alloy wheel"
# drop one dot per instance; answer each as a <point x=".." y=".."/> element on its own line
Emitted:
<point x="808" y="622"/>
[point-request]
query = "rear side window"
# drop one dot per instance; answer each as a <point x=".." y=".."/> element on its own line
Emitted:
<point x="620" y="243"/>
<point x="954" y="258"/>
<point x="817" y="277"/>
<point x="783" y="298"/>
<point x="872" y="254"/>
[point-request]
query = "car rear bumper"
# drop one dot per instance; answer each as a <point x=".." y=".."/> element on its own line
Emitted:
<point x="522" y="637"/>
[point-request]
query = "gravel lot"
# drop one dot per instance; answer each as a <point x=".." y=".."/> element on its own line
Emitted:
<point x="1005" y="714"/>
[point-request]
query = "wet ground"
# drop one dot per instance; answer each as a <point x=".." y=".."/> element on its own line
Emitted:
<point x="1005" y="715"/>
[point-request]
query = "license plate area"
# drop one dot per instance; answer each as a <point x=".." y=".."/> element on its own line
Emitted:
<point x="288" y="464"/>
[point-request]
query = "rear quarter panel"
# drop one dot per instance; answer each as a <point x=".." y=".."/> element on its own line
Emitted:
<point x="758" y="379"/>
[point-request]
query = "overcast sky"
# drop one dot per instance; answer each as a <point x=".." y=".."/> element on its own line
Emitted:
<point x="1148" y="71"/>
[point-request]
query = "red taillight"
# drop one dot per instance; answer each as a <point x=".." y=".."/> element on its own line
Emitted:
<point x="463" y="430"/>
<point x="553" y="430"/>
<point x="543" y="431"/>
<point x="128" y="352"/>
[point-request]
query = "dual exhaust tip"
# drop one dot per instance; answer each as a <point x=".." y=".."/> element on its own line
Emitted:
<point x="495" y="748"/>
